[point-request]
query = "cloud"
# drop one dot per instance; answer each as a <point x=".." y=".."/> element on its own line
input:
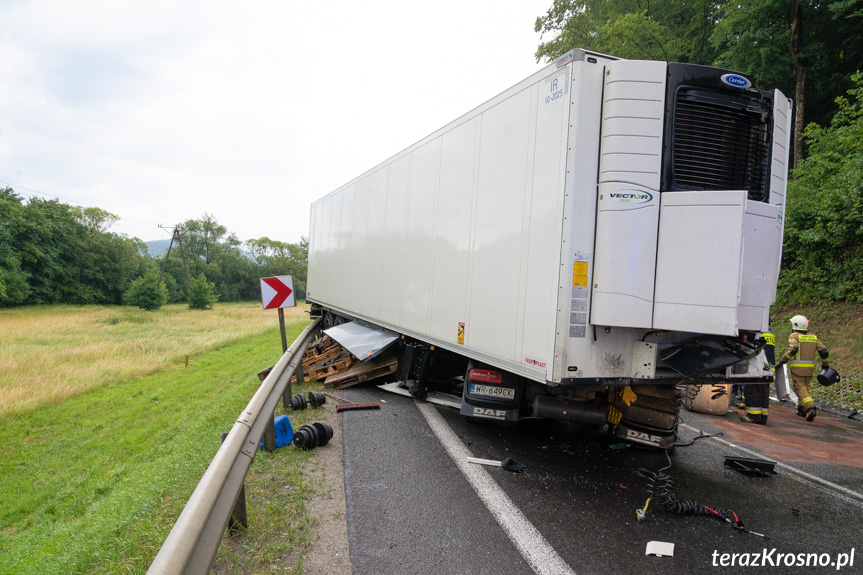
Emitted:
<point x="161" y="111"/>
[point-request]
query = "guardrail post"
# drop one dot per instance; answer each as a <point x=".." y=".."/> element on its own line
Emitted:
<point x="288" y="394"/>
<point x="239" y="517"/>
<point x="270" y="435"/>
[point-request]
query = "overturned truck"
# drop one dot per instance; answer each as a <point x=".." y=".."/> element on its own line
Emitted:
<point x="575" y="248"/>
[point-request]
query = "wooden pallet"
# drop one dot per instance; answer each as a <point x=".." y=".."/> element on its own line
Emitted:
<point x="320" y="350"/>
<point x="327" y="360"/>
<point x="339" y="364"/>
<point x="363" y="371"/>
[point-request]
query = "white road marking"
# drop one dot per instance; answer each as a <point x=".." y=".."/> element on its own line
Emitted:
<point x="801" y="475"/>
<point x="538" y="553"/>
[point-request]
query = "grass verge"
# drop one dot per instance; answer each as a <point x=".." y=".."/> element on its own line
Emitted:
<point x="278" y="488"/>
<point x="93" y="484"/>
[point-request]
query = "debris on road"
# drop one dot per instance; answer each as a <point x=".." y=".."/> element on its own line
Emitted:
<point x="509" y="463"/>
<point x="436" y="397"/>
<point x="660" y="549"/>
<point x="348" y="405"/>
<point x="760" y="467"/>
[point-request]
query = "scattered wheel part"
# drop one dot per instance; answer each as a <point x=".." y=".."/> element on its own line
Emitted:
<point x="325" y="432"/>
<point x="317" y="398"/>
<point x="299" y="403"/>
<point x="306" y="437"/>
<point x="313" y="435"/>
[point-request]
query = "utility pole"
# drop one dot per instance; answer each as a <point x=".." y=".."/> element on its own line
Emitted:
<point x="177" y="235"/>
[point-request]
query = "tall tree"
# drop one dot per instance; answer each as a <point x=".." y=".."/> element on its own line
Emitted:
<point x="670" y="30"/>
<point x="14" y="287"/>
<point x="215" y="252"/>
<point x="275" y="258"/>
<point x="800" y="67"/>
<point x="818" y="57"/>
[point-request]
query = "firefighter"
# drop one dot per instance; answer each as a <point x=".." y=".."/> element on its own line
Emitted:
<point x="757" y="395"/>
<point x="800" y="358"/>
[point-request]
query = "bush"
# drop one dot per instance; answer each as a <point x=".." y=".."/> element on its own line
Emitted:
<point x="202" y="293"/>
<point x="146" y="292"/>
<point x="823" y="258"/>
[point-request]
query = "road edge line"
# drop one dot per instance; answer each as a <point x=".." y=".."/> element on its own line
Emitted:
<point x="538" y="552"/>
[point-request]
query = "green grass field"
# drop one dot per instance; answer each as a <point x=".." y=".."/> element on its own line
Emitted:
<point x="94" y="475"/>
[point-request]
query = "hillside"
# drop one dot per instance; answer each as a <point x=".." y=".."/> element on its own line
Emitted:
<point x="840" y="327"/>
<point x="157" y="248"/>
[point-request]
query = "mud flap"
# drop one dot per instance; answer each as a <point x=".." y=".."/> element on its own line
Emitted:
<point x="649" y="415"/>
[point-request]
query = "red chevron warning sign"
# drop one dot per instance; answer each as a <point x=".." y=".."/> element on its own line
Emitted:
<point x="278" y="292"/>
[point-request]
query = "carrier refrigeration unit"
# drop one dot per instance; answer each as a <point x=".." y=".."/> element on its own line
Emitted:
<point x="576" y="248"/>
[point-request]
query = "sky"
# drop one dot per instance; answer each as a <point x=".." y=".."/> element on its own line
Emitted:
<point x="162" y="111"/>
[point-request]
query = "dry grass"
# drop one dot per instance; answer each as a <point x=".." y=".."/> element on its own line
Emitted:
<point x="51" y="353"/>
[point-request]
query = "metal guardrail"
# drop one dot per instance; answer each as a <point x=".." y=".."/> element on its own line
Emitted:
<point x="195" y="538"/>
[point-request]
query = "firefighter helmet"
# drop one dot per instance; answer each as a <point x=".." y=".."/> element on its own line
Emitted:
<point x="799" y="323"/>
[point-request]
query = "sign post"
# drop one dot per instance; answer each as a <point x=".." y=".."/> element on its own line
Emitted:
<point x="277" y="293"/>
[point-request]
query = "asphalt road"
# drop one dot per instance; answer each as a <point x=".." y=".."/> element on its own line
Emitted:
<point x="411" y="508"/>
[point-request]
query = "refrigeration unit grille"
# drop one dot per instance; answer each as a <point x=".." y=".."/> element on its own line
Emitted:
<point x="721" y="143"/>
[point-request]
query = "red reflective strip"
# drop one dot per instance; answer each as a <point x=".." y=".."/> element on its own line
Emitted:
<point x="486" y="375"/>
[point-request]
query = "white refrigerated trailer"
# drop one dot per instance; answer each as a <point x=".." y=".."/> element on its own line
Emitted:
<point x="575" y="247"/>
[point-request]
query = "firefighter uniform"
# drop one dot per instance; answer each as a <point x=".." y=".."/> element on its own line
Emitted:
<point x="802" y="348"/>
<point x="757" y="395"/>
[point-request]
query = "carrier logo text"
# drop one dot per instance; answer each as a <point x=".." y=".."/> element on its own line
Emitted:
<point x="736" y="80"/>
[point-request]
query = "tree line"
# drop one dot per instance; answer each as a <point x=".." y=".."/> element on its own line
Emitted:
<point x="811" y="51"/>
<point x="51" y="252"/>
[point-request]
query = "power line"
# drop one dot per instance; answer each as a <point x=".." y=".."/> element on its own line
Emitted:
<point x="55" y="196"/>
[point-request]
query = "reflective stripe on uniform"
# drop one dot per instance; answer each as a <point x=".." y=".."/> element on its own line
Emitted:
<point x="806" y="400"/>
<point x="800" y="363"/>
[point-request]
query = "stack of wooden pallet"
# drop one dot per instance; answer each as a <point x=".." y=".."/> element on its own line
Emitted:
<point x="361" y="371"/>
<point x="324" y="358"/>
<point x="327" y="361"/>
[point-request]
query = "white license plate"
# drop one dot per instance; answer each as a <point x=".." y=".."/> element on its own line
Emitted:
<point x="492" y="391"/>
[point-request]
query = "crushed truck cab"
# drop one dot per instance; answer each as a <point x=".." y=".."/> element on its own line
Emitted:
<point x="576" y="247"/>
